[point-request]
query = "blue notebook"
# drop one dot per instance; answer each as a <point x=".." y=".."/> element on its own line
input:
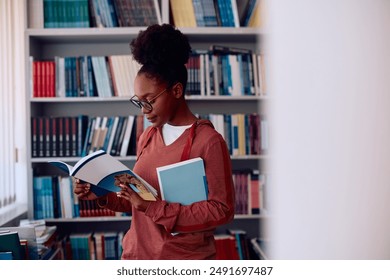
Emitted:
<point x="183" y="182"/>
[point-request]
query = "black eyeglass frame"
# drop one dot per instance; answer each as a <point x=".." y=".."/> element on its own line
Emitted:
<point x="146" y="104"/>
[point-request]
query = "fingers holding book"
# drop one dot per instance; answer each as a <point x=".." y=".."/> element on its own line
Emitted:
<point x="83" y="190"/>
<point x="134" y="191"/>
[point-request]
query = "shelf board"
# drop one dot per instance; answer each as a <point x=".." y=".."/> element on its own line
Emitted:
<point x="128" y="218"/>
<point x="123" y="34"/>
<point x="90" y="219"/>
<point x="126" y="98"/>
<point x="134" y="158"/>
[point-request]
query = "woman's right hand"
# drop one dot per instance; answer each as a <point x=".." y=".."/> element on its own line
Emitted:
<point x="83" y="190"/>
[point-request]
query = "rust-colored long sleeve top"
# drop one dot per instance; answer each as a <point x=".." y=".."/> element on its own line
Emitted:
<point x="149" y="236"/>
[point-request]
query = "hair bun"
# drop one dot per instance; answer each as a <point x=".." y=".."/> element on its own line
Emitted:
<point x="161" y="45"/>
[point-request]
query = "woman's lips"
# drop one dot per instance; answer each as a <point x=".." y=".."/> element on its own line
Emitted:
<point x="151" y="119"/>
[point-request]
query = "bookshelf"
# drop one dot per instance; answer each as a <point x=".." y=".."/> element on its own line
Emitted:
<point x="44" y="44"/>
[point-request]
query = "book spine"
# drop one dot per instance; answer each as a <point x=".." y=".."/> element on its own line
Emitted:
<point x="48" y="151"/>
<point x="34" y="137"/>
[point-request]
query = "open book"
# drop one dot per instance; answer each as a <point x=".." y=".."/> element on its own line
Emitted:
<point x="104" y="172"/>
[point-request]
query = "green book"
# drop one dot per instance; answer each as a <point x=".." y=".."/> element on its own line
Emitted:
<point x="10" y="242"/>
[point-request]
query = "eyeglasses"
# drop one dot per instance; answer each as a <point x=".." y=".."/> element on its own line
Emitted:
<point x="146" y="104"/>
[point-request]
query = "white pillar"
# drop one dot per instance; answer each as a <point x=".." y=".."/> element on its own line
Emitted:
<point x="329" y="78"/>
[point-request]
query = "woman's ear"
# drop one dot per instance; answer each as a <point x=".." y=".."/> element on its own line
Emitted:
<point x="177" y="90"/>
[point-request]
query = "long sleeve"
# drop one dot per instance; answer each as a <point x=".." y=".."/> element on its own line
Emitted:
<point x="117" y="204"/>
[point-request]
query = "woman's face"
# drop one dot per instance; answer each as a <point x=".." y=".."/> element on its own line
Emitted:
<point x="163" y="102"/>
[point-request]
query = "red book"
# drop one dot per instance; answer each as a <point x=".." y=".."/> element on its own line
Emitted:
<point x="226" y="247"/>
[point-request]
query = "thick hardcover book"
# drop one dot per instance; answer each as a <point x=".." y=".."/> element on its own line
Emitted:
<point x="183" y="182"/>
<point x="103" y="172"/>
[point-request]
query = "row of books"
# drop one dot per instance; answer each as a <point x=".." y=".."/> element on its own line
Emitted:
<point x="226" y="71"/>
<point x="83" y="76"/>
<point x="107" y="245"/>
<point x="218" y="71"/>
<point x="103" y="245"/>
<point x="245" y="134"/>
<point x="235" y="245"/>
<point x="17" y="243"/>
<point x="93" y="13"/>
<point x="53" y="197"/>
<point x="81" y="135"/>
<point x="250" y="192"/>
<point x="125" y="13"/>
<point x="225" y="13"/>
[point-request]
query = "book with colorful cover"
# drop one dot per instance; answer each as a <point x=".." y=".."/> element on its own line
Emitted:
<point x="183" y="182"/>
<point x="102" y="171"/>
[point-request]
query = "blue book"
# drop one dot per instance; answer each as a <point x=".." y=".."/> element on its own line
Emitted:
<point x="6" y="256"/>
<point x="101" y="170"/>
<point x="183" y="182"/>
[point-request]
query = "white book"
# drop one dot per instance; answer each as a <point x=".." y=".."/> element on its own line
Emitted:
<point x="123" y="75"/>
<point x="255" y="74"/>
<point x="235" y="13"/>
<point x="126" y="138"/>
<point x="158" y="11"/>
<point x="66" y="197"/>
<point x="235" y="75"/>
<point x="101" y="170"/>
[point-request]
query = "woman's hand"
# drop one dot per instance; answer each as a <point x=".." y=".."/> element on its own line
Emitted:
<point x="138" y="202"/>
<point x="83" y="190"/>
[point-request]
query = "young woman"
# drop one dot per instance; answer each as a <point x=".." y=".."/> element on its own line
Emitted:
<point x="175" y="134"/>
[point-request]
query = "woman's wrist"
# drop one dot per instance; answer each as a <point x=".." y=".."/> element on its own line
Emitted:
<point x="102" y="201"/>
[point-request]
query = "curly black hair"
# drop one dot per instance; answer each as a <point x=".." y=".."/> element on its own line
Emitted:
<point x="163" y="51"/>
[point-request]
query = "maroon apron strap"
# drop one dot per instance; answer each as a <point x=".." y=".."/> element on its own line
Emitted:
<point x="187" y="148"/>
<point x="148" y="137"/>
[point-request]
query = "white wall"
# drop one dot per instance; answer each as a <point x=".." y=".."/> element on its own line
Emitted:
<point x="329" y="75"/>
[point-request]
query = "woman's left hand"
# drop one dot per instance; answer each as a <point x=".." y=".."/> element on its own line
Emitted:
<point x="129" y="194"/>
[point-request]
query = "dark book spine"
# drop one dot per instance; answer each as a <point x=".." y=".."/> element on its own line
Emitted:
<point x="53" y="134"/>
<point x="74" y="142"/>
<point x="118" y="133"/>
<point x="41" y="137"/>
<point x="34" y="137"/>
<point x="67" y="136"/>
<point x="60" y="136"/>
<point x="47" y="137"/>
